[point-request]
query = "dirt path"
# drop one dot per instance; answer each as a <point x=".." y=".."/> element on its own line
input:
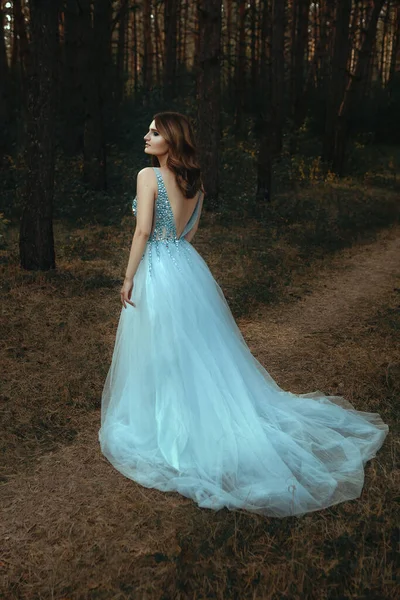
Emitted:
<point x="355" y="282"/>
<point x="348" y="289"/>
<point x="68" y="524"/>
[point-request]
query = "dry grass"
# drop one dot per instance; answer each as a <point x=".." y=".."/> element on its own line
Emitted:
<point x="73" y="527"/>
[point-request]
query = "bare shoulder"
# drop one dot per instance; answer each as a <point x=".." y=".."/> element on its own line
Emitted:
<point x="146" y="178"/>
<point x="146" y="174"/>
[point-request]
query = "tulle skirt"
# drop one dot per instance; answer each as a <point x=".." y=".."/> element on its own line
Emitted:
<point x="186" y="407"/>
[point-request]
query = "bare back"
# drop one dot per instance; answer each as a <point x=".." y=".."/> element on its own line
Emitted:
<point x="182" y="208"/>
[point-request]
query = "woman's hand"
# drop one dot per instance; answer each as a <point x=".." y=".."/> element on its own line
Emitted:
<point x="126" y="292"/>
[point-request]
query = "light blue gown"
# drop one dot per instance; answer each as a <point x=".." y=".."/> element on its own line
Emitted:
<point x="186" y="407"/>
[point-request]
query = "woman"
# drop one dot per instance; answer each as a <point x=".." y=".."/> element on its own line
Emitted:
<point x="186" y="407"/>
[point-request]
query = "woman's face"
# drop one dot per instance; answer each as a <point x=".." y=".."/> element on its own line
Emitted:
<point x="155" y="143"/>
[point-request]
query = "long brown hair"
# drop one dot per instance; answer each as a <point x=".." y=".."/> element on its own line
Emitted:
<point x="177" y="131"/>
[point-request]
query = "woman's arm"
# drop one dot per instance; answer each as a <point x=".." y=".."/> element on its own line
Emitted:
<point x="146" y="193"/>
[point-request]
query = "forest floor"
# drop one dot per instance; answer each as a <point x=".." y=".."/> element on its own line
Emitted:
<point x="73" y="527"/>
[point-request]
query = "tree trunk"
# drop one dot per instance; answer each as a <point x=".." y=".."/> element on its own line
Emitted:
<point x="158" y="47"/>
<point x="240" y="70"/>
<point x="253" y="53"/>
<point x="317" y="78"/>
<point x="277" y="74"/>
<point x="327" y="38"/>
<point x="395" y="56"/>
<point x="185" y="33"/>
<point x="147" y="51"/>
<point x="338" y="78"/>
<point x="121" y="53"/>
<point x="5" y="93"/>
<point x="300" y="16"/>
<point x="19" y="56"/>
<point x="97" y="94"/>
<point x="36" y="241"/>
<point x="170" y="24"/>
<point x="135" y="48"/>
<point x="76" y="48"/>
<point x="263" y="122"/>
<point x="208" y="95"/>
<point x="354" y="90"/>
<point x="229" y="48"/>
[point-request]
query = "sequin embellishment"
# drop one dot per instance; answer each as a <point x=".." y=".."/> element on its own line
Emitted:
<point x="164" y="227"/>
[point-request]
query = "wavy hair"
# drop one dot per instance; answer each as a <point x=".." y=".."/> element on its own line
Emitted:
<point x="177" y="131"/>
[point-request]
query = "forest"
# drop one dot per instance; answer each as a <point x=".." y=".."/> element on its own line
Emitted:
<point x="296" y="92"/>
<point x="295" y="106"/>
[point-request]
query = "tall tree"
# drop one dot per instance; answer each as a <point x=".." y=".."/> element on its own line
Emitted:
<point x="19" y="55"/>
<point x="208" y="93"/>
<point x="121" y="51"/>
<point x="338" y="79"/>
<point x="300" y="23"/>
<point x="240" y="68"/>
<point x="170" y="48"/>
<point x="354" y="90"/>
<point x="74" y="59"/>
<point x="5" y="91"/>
<point x="277" y="74"/>
<point x="253" y="50"/>
<point x="97" y="91"/>
<point x="158" y="45"/>
<point x="228" y="52"/>
<point x="395" y="54"/>
<point x="264" y="116"/>
<point x="36" y="227"/>
<point x="147" y="68"/>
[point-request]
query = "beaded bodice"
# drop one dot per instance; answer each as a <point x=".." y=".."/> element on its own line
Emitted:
<point x="164" y="223"/>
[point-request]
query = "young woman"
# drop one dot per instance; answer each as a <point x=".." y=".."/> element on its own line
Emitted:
<point x="186" y="407"/>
